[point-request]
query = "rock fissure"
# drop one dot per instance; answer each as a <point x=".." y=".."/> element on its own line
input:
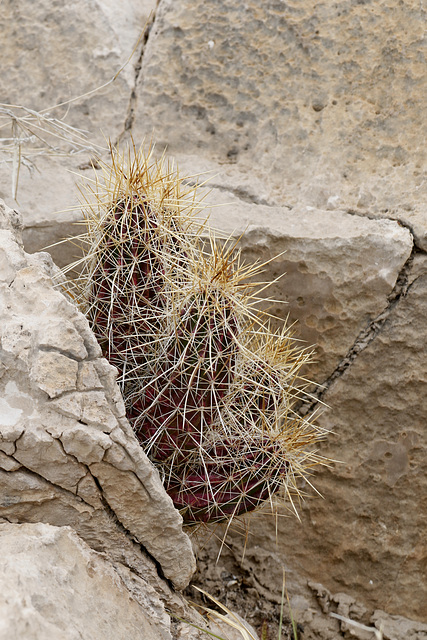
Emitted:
<point x="15" y="442"/>
<point x="72" y="393"/>
<point x="4" y="519"/>
<point x="130" y="115"/>
<point x="401" y="221"/>
<point x="114" y="517"/>
<point x="62" y="352"/>
<point x="57" y="487"/>
<point x="243" y="194"/>
<point x="67" y="454"/>
<point x="365" y="337"/>
<point x="60" y="405"/>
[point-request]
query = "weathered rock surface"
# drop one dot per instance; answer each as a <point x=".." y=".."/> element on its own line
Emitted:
<point x="56" y="53"/>
<point x="69" y="455"/>
<point x="366" y="537"/>
<point x="53" y="586"/>
<point x="377" y="496"/>
<point x="336" y="271"/>
<point x="53" y="54"/>
<point x="288" y="93"/>
<point x="324" y="103"/>
<point x="291" y="106"/>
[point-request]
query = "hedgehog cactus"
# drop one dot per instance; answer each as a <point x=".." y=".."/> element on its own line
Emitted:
<point x="209" y="388"/>
<point x="180" y="402"/>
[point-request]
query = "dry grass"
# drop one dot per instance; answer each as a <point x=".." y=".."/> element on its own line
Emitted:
<point x="26" y="134"/>
<point x="227" y="617"/>
<point x="29" y="134"/>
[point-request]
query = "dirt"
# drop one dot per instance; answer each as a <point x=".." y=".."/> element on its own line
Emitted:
<point x="222" y="574"/>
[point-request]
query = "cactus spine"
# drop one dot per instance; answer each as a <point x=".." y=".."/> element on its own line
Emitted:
<point x="209" y="388"/>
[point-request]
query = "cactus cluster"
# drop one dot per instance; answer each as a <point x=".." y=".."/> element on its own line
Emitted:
<point x="209" y="388"/>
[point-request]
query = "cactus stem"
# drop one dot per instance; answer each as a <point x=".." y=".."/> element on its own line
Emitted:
<point x="210" y="389"/>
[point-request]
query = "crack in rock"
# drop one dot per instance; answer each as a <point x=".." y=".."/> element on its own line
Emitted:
<point x="246" y="195"/>
<point x="55" y="486"/>
<point x="364" y="338"/>
<point x="121" y="527"/>
<point x="130" y="116"/>
<point x="49" y="351"/>
<point x="401" y="221"/>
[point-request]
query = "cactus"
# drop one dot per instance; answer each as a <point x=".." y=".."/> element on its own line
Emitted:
<point x="209" y="388"/>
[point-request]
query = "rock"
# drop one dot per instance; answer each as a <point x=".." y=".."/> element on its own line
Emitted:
<point x="333" y="270"/>
<point x="48" y="199"/>
<point x="365" y="536"/>
<point x="397" y="627"/>
<point x="69" y="456"/>
<point x="53" y="586"/>
<point x="66" y="51"/>
<point x="54" y="373"/>
<point x="286" y="103"/>
<point x="64" y="54"/>
<point x="301" y="97"/>
<point x="377" y="414"/>
<point x="343" y="616"/>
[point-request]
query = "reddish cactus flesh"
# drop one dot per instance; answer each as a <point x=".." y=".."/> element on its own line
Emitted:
<point x="174" y="410"/>
<point x="126" y="284"/>
<point x="228" y="480"/>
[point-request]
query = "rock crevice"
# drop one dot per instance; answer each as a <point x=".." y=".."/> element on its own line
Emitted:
<point x="133" y="98"/>
<point x="366" y="335"/>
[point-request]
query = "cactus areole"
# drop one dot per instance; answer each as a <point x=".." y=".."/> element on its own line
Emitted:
<point x="209" y="388"/>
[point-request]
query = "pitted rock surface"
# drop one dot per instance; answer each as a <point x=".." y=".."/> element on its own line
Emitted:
<point x="322" y="103"/>
<point x="332" y="272"/>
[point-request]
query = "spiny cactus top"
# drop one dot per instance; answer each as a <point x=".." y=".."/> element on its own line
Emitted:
<point x="209" y="388"/>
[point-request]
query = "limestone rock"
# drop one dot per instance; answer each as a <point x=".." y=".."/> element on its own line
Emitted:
<point x="69" y="50"/>
<point x="377" y="414"/>
<point x="335" y="270"/>
<point x="366" y="535"/>
<point x="288" y="103"/>
<point x="62" y="54"/>
<point x="54" y="373"/>
<point x="312" y="100"/>
<point x="47" y="197"/>
<point x="54" y="587"/>
<point x="69" y="456"/>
